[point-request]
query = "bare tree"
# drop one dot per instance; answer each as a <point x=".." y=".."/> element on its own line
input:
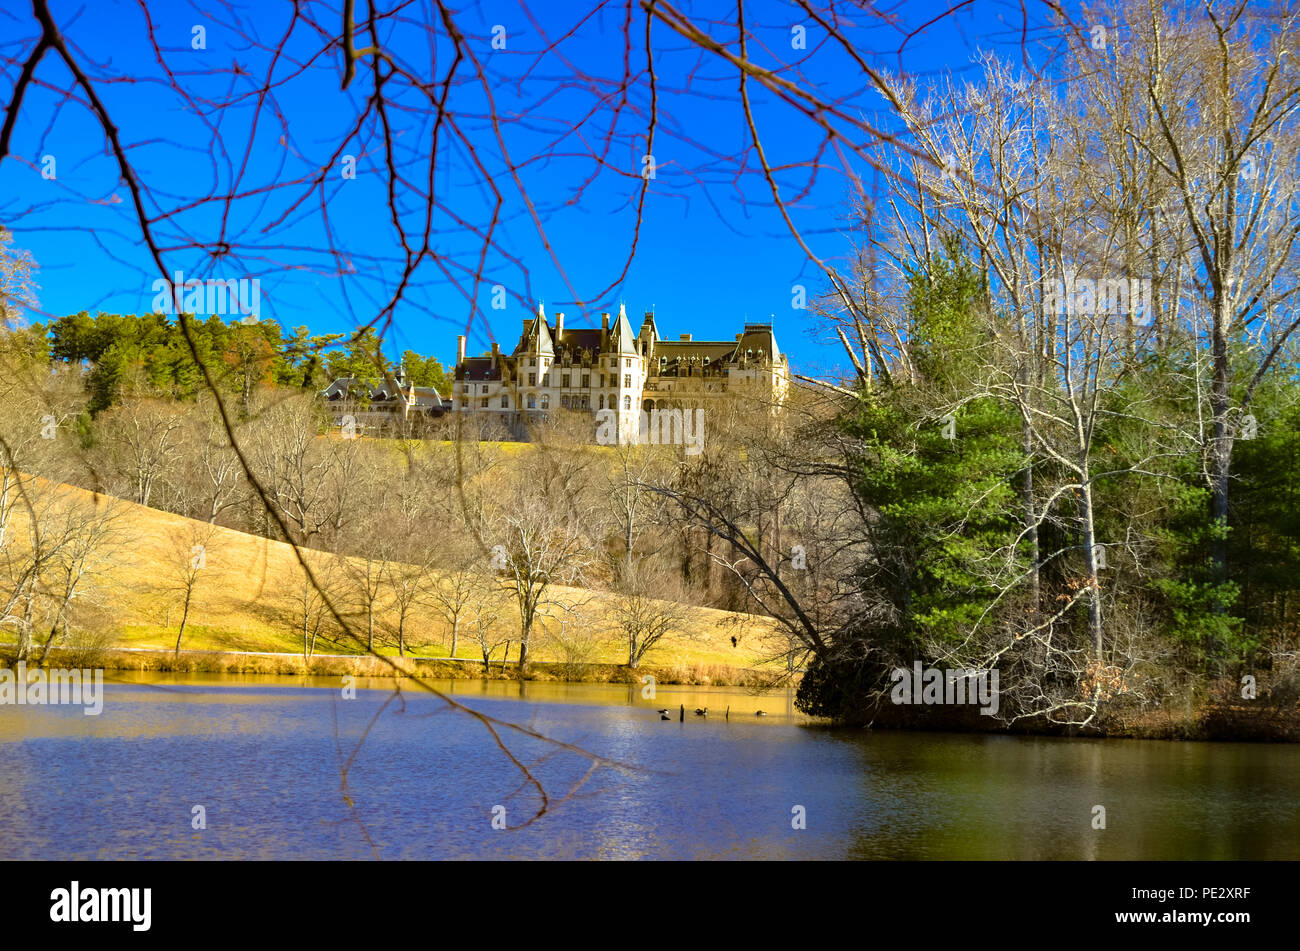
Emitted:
<point x="140" y="440"/>
<point x="644" y="607"/>
<point x="189" y="548"/>
<point x="485" y="615"/>
<point x="456" y="585"/>
<point x="95" y="535"/>
<point x="542" y="544"/>
<point x="312" y="598"/>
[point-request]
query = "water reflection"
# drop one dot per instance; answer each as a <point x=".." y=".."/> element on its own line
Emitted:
<point x="263" y="755"/>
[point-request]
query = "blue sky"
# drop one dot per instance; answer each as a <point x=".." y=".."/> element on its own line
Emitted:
<point x="712" y="251"/>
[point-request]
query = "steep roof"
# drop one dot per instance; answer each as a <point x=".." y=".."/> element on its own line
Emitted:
<point x="478" y="369"/>
<point x="538" y="326"/>
<point x="578" y="339"/>
<point x="758" y="337"/>
<point x="622" y="339"/>
<point x="674" y="357"/>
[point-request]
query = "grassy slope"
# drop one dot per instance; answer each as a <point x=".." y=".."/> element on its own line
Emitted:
<point x="245" y="600"/>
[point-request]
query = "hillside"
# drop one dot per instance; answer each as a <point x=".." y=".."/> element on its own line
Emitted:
<point x="247" y="596"/>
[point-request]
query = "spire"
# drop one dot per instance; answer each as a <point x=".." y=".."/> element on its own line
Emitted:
<point x="541" y="308"/>
<point x="623" y="339"/>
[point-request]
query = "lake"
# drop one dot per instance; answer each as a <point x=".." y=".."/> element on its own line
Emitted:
<point x="266" y="757"/>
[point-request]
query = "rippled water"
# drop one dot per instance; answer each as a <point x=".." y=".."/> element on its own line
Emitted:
<point x="265" y="756"/>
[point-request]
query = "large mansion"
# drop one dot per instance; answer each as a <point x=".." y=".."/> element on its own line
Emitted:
<point x="381" y="405"/>
<point x="611" y="368"/>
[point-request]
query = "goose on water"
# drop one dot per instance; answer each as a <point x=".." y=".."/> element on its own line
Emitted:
<point x="759" y="713"/>
<point x="701" y="711"/>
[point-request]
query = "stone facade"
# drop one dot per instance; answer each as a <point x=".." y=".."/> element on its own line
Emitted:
<point x="591" y="369"/>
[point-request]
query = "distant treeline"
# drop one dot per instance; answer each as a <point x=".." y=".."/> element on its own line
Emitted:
<point x="127" y="351"/>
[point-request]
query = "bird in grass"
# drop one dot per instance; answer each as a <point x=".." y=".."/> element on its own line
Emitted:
<point x="701" y="711"/>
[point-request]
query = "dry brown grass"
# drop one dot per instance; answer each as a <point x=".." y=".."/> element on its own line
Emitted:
<point x="244" y="601"/>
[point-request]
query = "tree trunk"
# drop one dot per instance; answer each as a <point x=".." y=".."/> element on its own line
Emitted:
<point x="1031" y="534"/>
<point x="24" y="638"/>
<point x="1094" y="585"/>
<point x="1221" y="453"/>
<point x="185" y="614"/>
<point x="455" y="632"/>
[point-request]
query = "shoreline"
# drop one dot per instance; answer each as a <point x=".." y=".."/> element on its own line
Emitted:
<point x="1222" y="721"/>
<point x="367" y="665"/>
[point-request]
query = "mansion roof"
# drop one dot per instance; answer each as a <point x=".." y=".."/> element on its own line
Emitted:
<point x="754" y="346"/>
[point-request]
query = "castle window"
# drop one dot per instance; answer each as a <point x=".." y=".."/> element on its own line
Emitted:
<point x="627" y="362"/>
<point x="532" y="401"/>
<point x="602" y="381"/>
<point x="505" y="401"/>
<point x="627" y="402"/>
<point x="546" y="401"/>
<point x="564" y="380"/>
<point x="532" y="379"/>
<point x="602" y="400"/>
<point x="532" y="361"/>
<point x="586" y="379"/>
<point x="627" y="379"/>
<point x="483" y="402"/>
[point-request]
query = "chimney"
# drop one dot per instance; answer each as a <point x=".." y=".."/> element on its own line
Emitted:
<point x="460" y="350"/>
<point x="686" y="337"/>
<point x="604" y="322"/>
<point x="496" y="351"/>
<point x="559" y="327"/>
